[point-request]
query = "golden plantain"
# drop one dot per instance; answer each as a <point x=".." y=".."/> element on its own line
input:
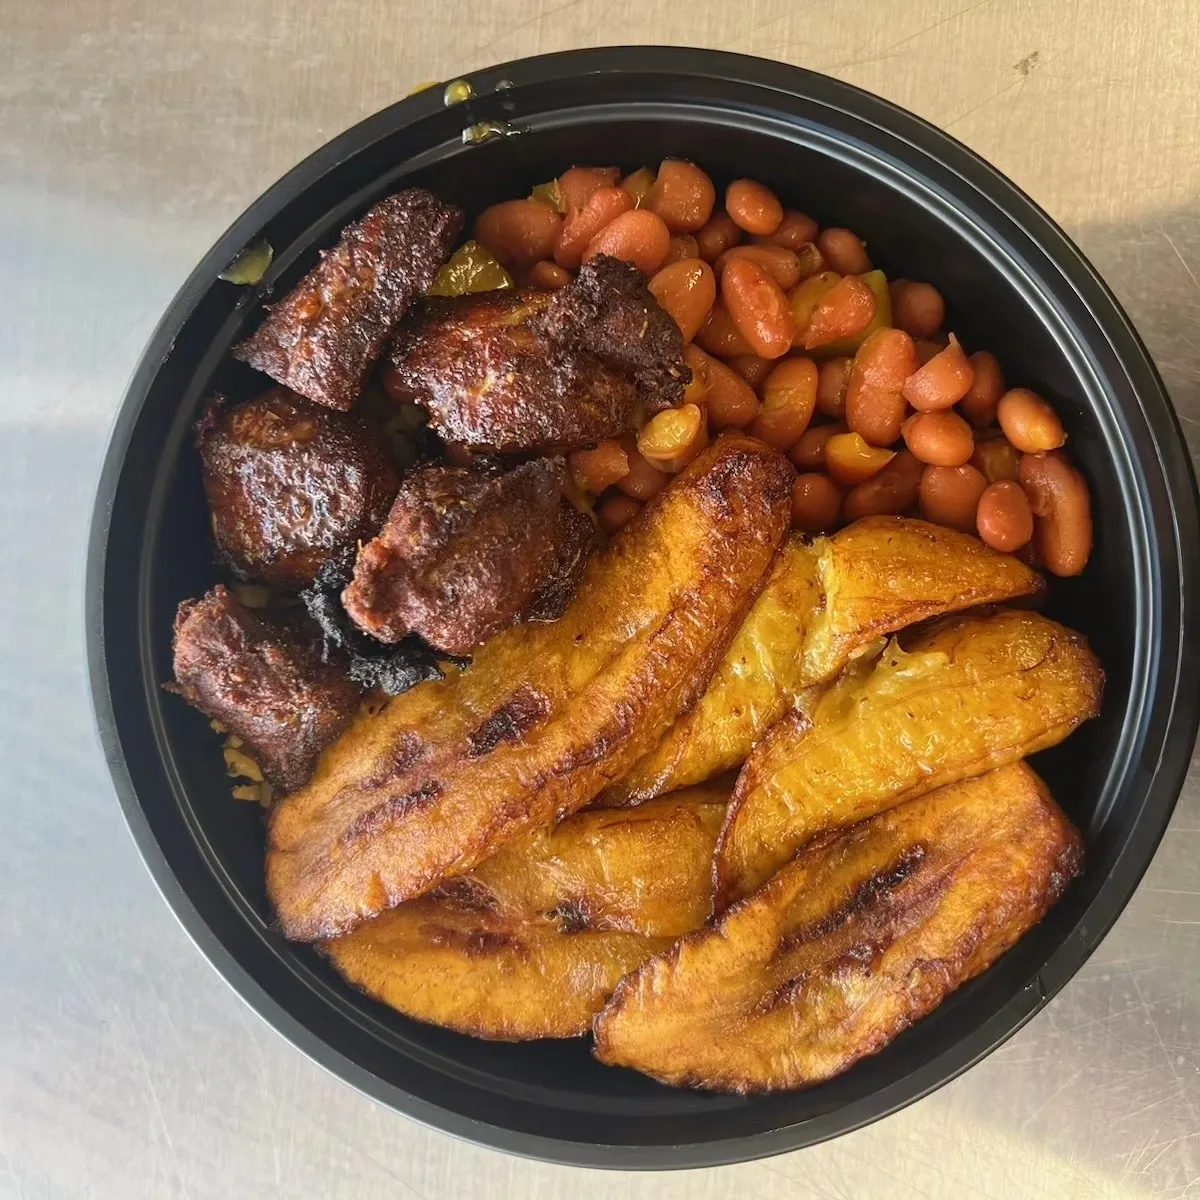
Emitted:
<point x="546" y="715"/>
<point x="855" y="939"/>
<point x="824" y="602"/>
<point x="970" y="693"/>
<point x="532" y="944"/>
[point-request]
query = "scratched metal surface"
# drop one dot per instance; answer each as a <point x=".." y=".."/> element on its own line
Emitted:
<point x="131" y="133"/>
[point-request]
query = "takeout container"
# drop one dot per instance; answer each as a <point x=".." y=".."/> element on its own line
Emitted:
<point x="929" y="209"/>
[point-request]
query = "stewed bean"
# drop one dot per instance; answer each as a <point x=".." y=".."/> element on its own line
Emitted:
<point x="917" y="308"/>
<point x="889" y="493"/>
<point x="987" y="386"/>
<point x="638" y="237"/>
<point x="941" y="382"/>
<point x="1059" y="498"/>
<point x="759" y="308"/>
<point x="844" y="251"/>
<point x="687" y="290"/>
<point x="789" y="397"/>
<point x="1029" y="422"/>
<point x="942" y="439"/>
<point x="816" y="502"/>
<point x="950" y="496"/>
<point x="753" y="207"/>
<point x="1004" y="517"/>
<point x="683" y="195"/>
<point x="519" y="232"/>
<point x="717" y="236"/>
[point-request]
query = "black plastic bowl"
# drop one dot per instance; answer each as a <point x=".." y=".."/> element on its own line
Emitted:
<point x="930" y="210"/>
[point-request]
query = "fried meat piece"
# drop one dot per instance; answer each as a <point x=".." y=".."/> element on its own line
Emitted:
<point x="854" y="940"/>
<point x="322" y="337"/>
<point x="538" y="372"/>
<point x="292" y="486"/>
<point x="263" y="677"/>
<point x="609" y="311"/>
<point x="464" y="553"/>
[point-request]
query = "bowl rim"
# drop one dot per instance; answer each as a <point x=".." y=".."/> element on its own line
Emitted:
<point x="1174" y="463"/>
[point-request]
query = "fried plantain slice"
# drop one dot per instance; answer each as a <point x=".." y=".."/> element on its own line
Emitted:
<point x="532" y="944"/>
<point x="970" y="693"/>
<point x="479" y="975"/>
<point x="825" y="601"/>
<point x="642" y="870"/>
<point x="856" y="938"/>
<point x="546" y="715"/>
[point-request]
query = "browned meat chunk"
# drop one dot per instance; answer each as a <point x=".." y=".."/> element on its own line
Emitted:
<point x="467" y="552"/>
<point x="322" y="337"/>
<point x="262" y="676"/>
<point x="539" y="372"/>
<point x="610" y="312"/>
<point x="292" y="486"/>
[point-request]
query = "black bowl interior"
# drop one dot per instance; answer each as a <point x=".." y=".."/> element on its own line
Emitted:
<point x="928" y="210"/>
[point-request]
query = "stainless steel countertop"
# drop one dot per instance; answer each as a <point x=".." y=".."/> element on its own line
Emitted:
<point x="131" y="133"/>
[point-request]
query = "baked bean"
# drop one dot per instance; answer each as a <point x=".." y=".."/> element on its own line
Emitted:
<point x="997" y="458"/>
<point x="807" y="294"/>
<point x="642" y="481"/>
<point x="927" y="348"/>
<point x="576" y="184"/>
<point x="942" y="439"/>
<point x="603" y="207"/>
<point x="1004" y="518"/>
<point x="789" y="397"/>
<point x="792" y="232"/>
<point x="832" y="376"/>
<point x="942" y="382"/>
<point x="844" y="251"/>
<point x="1029" y="422"/>
<point x="851" y="461"/>
<point x="683" y="195"/>
<point x="638" y="185"/>
<point x="811" y="260"/>
<point x="809" y="452"/>
<point x="816" y="501"/>
<point x="889" y="493"/>
<point x="876" y="415"/>
<point x="683" y="246"/>
<point x="616" y="512"/>
<point x="950" y="495"/>
<point x="546" y="274"/>
<point x="518" y="232"/>
<point x="687" y="290"/>
<point x="917" y="308"/>
<point x="758" y="307"/>
<point x="780" y="263"/>
<point x="719" y="335"/>
<point x="753" y="206"/>
<point x="599" y="467"/>
<point x="672" y="438"/>
<point x="886" y="359"/>
<point x="843" y="311"/>
<point x="1059" y="499"/>
<point x="874" y="406"/>
<point x="981" y="401"/>
<point x="637" y="237"/>
<point x="751" y="368"/>
<point x="717" y="236"/>
<point x="728" y="399"/>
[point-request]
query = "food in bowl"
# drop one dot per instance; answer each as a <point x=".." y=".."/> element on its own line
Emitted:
<point x="696" y="490"/>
